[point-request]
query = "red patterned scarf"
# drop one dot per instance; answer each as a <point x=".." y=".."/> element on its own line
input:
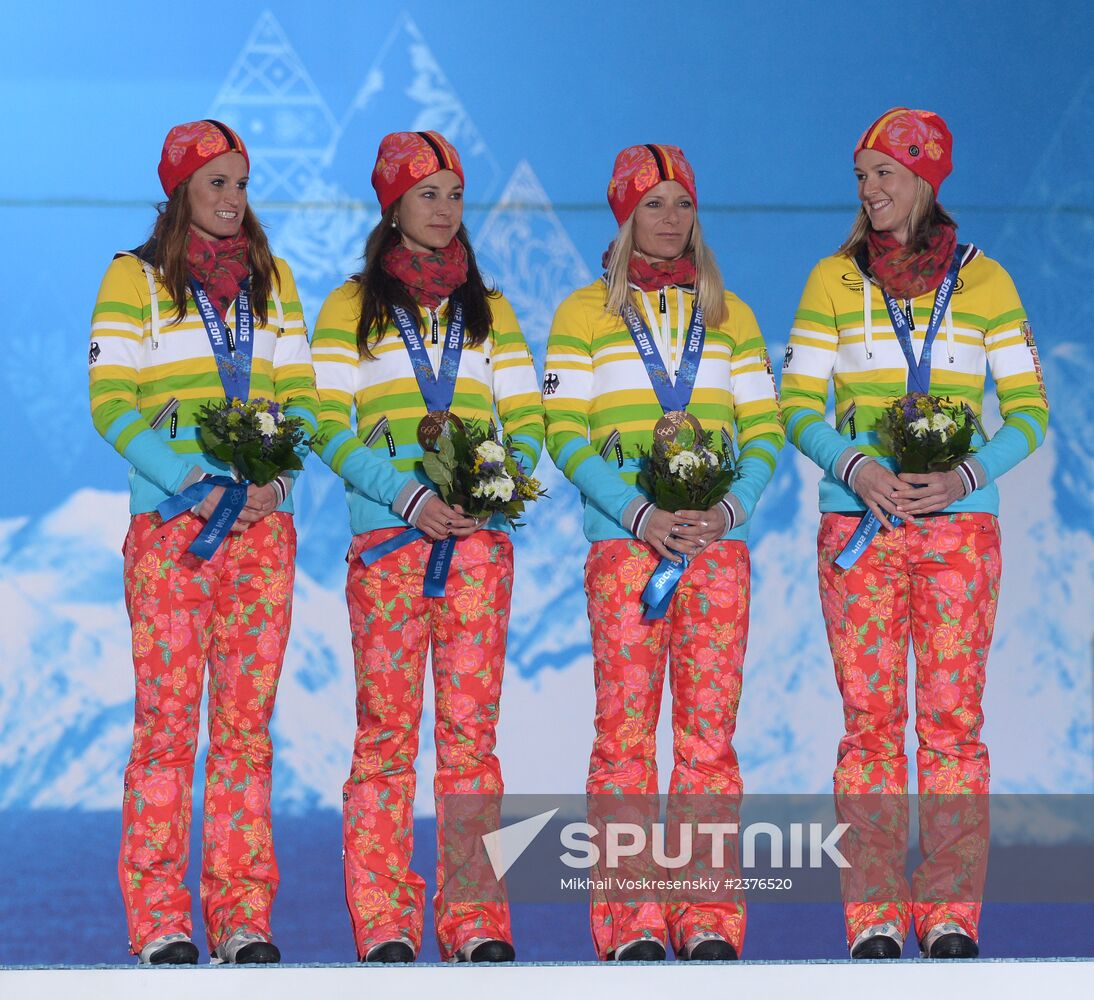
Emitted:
<point x="904" y="274"/>
<point x="431" y="277"/>
<point x="650" y="275"/>
<point x="220" y="266"/>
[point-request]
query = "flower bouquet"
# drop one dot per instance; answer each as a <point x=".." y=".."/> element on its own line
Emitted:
<point x="686" y="475"/>
<point x="258" y="441"/>
<point x="923" y="433"/>
<point x="683" y="472"/>
<point x="471" y="469"/>
<point x="255" y="437"/>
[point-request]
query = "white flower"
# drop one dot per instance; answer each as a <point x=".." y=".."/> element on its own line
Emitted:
<point x="502" y="488"/>
<point x="499" y="488"/>
<point x="710" y="458"/>
<point x="920" y="427"/>
<point x="490" y="451"/>
<point x="266" y="423"/>
<point x="683" y="462"/>
<point x="941" y="422"/>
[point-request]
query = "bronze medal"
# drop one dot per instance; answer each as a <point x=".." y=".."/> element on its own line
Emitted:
<point x="668" y="427"/>
<point x="434" y="425"/>
<point x="431" y="427"/>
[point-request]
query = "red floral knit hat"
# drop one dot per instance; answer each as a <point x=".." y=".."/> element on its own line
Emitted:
<point x="405" y="158"/>
<point x="918" y="139"/>
<point x="190" y="146"/>
<point x="639" y="168"/>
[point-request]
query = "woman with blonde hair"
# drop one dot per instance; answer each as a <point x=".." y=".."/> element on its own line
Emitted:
<point x="656" y="344"/>
<point x="903" y="307"/>
<point x="200" y="313"/>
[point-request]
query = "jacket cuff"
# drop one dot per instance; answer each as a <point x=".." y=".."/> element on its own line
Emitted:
<point x="411" y="501"/>
<point x="636" y="515"/>
<point x="283" y="485"/>
<point x="972" y="473"/>
<point x="733" y="510"/>
<point x="849" y="465"/>
<point x="195" y="475"/>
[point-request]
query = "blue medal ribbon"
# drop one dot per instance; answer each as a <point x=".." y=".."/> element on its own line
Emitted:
<point x="440" y="558"/>
<point x="662" y="585"/>
<point x="437" y="390"/>
<point x="233" y="354"/>
<point x="673" y="397"/>
<point x="919" y="380"/>
<point x="217" y="528"/>
<point x="919" y="372"/>
<point x="864" y="534"/>
<point x="233" y="358"/>
<point x="394" y="543"/>
<point x="436" y="570"/>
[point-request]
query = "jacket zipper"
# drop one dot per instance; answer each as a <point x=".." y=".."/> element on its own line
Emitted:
<point x="848" y="418"/>
<point x="381" y="427"/>
<point x="167" y="410"/>
<point x="979" y="427"/>
<point x="612" y="443"/>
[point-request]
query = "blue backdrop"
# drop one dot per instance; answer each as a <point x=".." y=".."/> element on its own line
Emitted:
<point x="767" y="101"/>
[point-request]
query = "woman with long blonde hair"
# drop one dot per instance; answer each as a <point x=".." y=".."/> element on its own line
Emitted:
<point x="656" y="344"/>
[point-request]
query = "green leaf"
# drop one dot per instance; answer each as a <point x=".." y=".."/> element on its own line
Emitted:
<point x="261" y="472"/>
<point x="436" y="469"/>
<point x="225" y="452"/>
<point x="209" y="437"/>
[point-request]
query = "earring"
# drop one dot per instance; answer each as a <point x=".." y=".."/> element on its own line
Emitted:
<point x="395" y="222"/>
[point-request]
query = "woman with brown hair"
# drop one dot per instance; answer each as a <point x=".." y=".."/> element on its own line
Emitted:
<point x="200" y="313"/>
<point x="868" y="322"/>
<point x="412" y="342"/>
